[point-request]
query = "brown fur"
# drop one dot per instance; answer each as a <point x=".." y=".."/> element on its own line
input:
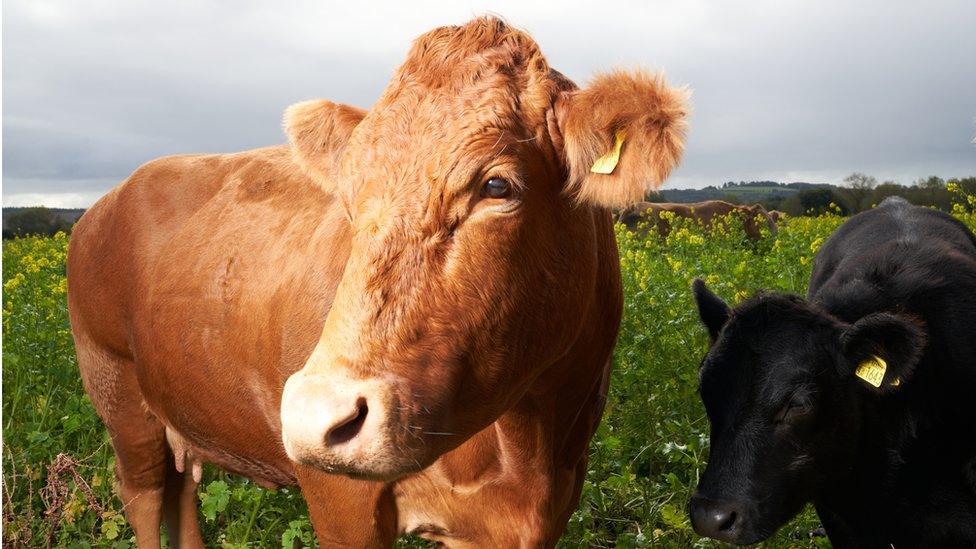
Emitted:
<point x="703" y="212"/>
<point x="365" y="247"/>
<point x="651" y="114"/>
<point x="317" y="132"/>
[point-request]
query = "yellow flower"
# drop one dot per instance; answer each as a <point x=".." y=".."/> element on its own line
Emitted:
<point x="815" y="245"/>
<point x="14" y="282"/>
<point x="673" y="263"/>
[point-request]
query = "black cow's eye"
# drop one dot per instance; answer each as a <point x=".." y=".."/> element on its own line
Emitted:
<point x="497" y="187"/>
<point x="795" y="408"/>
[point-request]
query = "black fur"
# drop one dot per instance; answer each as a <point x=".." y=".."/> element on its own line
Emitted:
<point x="714" y="313"/>
<point x="792" y="423"/>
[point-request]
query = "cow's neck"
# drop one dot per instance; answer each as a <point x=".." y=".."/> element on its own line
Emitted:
<point x="516" y="482"/>
<point x="527" y="463"/>
<point x="857" y="496"/>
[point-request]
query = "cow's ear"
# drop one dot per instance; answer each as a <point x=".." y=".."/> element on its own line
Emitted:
<point x="882" y="350"/>
<point x="713" y="311"/>
<point x="318" y="131"/>
<point x="620" y="136"/>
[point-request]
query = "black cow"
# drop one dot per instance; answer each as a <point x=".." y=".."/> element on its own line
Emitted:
<point x="860" y="399"/>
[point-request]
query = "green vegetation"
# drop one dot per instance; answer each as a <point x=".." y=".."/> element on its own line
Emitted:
<point x="645" y="457"/>
<point x="654" y="438"/>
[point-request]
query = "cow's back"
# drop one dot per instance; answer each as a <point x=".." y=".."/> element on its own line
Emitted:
<point x="914" y="261"/>
<point x="883" y="236"/>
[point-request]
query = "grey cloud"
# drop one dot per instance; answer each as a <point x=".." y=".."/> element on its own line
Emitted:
<point x="781" y="91"/>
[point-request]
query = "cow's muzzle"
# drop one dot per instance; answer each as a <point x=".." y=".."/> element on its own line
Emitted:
<point x="340" y="425"/>
<point x="722" y="519"/>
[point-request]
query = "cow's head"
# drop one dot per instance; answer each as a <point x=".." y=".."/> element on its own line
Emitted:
<point x="474" y="214"/>
<point x="782" y="385"/>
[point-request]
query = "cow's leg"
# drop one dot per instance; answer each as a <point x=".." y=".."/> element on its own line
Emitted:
<point x="346" y="512"/>
<point x="180" y="508"/>
<point x="137" y="436"/>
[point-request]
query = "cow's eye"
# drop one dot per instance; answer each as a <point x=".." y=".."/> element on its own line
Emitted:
<point x="794" y="409"/>
<point x="496" y="187"/>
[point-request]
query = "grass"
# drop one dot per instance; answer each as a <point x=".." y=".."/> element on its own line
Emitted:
<point x="645" y="458"/>
<point x="653" y="442"/>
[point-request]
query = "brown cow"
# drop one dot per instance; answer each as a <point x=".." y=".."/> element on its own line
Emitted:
<point x="704" y="212"/>
<point x="409" y="311"/>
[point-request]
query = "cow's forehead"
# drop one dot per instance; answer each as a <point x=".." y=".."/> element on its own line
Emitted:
<point x="460" y="82"/>
<point x="439" y="119"/>
<point x="423" y="138"/>
<point x="468" y="101"/>
<point x="450" y="57"/>
<point x="766" y="360"/>
<point x="433" y="140"/>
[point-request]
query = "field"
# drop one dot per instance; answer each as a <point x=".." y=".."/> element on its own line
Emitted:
<point x="644" y="461"/>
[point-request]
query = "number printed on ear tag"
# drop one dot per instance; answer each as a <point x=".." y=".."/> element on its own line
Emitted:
<point x="872" y="370"/>
<point x="606" y="163"/>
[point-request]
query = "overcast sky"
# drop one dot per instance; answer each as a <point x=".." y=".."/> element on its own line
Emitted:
<point x="788" y="91"/>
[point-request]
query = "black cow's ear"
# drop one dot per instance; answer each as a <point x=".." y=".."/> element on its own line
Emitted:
<point x="882" y="349"/>
<point x="713" y="311"/>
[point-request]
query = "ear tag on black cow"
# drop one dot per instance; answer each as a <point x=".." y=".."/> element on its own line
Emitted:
<point x="606" y="163"/>
<point x="873" y="370"/>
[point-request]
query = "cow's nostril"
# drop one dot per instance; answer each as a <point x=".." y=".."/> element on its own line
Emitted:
<point x="718" y="519"/>
<point x="729" y="522"/>
<point x="347" y="429"/>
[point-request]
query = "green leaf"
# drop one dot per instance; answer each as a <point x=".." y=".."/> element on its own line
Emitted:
<point x="214" y="499"/>
<point x="674" y="517"/>
<point x="111" y="526"/>
<point x="297" y="533"/>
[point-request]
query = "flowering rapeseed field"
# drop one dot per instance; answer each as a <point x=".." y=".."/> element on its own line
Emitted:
<point x="645" y="458"/>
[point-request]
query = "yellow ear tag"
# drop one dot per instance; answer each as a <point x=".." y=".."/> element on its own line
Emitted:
<point x="606" y="163"/>
<point x="872" y="370"/>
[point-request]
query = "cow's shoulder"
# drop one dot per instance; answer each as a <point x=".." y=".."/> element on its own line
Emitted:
<point x="170" y="207"/>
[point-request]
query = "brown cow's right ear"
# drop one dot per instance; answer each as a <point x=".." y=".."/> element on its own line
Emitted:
<point x="318" y="131"/>
<point x="620" y="136"/>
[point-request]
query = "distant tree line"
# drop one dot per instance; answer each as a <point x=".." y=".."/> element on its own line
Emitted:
<point x="862" y="192"/>
<point x="37" y="221"/>
<point x="858" y="193"/>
